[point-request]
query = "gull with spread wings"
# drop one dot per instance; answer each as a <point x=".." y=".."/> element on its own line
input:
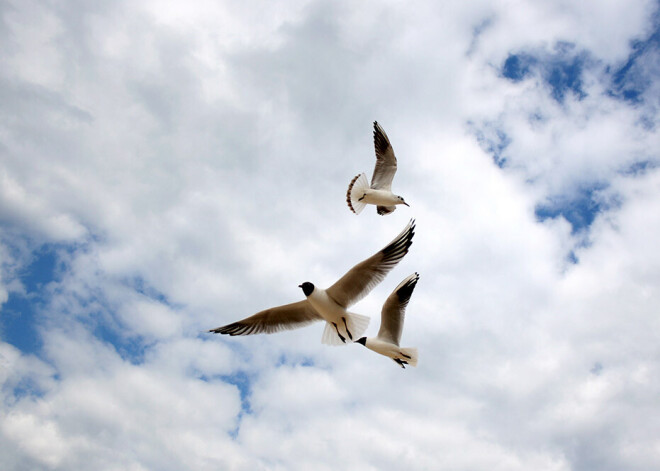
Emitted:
<point x="391" y="325"/>
<point x="330" y="305"/>
<point x="360" y="193"/>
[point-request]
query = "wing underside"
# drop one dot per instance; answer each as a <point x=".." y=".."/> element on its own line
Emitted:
<point x="364" y="276"/>
<point x="268" y="321"/>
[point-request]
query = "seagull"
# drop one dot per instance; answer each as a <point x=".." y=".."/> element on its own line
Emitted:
<point x="391" y="324"/>
<point x="359" y="192"/>
<point x="330" y="305"/>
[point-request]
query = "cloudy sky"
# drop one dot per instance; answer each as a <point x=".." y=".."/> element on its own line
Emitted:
<point x="169" y="167"/>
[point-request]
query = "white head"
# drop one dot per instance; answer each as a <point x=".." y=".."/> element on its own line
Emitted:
<point x="401" y="200"/>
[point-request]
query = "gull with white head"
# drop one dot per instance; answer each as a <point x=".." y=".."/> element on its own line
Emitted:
<point x="391" y="325"/>
<point x="360" y="193"/>
<point x="330" y="305"/>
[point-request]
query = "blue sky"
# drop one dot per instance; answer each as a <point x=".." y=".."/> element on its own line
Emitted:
<point x="21" y="310"/>
<point x="169" y="168"/>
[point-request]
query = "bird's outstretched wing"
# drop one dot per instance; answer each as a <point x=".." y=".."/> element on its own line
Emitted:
<point x="394" y="310"/>
<point x="288" y="316"/>
<point x="364" y="276"/>
<point x="385" y="160"/>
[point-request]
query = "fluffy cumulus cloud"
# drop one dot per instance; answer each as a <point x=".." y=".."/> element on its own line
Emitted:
<point x="166" y="168"/>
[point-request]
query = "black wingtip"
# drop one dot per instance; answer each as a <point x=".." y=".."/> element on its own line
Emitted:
<point x="381" y="141"/>
<point x="398" y="248"/>
<point x="231" y="329"/>
<point x="405" y="292"/>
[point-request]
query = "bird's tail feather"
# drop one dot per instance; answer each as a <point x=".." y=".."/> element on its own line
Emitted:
<point x="356" y="323"/>
<point x="356" y="189"/>
<point x="409" y="355"/>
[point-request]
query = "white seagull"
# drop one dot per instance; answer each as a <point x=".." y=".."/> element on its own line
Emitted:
<point x="330" y="305"/>
<point x="391" y="324"/>
<point x="359" y="192"/>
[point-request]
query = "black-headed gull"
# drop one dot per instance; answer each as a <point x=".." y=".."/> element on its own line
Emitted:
<point x="391" y="325"/>
<point x="360" y="193"/>
<point x="330" y="304"/>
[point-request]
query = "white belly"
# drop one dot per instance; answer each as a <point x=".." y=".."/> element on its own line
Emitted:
<point x="384" y="348"/>
<point x="381" y="197"/>
<point x="326" y="306"/>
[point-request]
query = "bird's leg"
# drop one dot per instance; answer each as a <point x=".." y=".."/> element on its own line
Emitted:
<point x="362" y="197"/>
<point x="340" y="336"/>
<point x="400" y="362"/>
<point x="347" y="331"/>
<point x="404" y="355"/>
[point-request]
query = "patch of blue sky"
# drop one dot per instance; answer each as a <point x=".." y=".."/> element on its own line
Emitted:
<point x="304" y="361"/>
<point x="101" y="321"/>
<point x="560" y="69"/>
<point x="579" y="209"/>
<point x="631" y="80"/>
<point x="477" y="31"/>
<point x="639" y="168"/>
<point x="27" y="387"/>
<point x="25" y="311"/>
<point x="131" y="348"/>
<point x="517" y="67"/>
<point x="20" y="314"/>
<point x="243" y="382"/>
<point x="141" y="286"/>
<point x="493" y="141"/>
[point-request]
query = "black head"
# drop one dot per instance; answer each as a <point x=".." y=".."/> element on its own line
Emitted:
<point x="307" y="288"/>
<point x="362" y="340"/>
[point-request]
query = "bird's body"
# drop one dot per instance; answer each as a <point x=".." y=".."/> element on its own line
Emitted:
<point x="331" y="304"/>
<point x="402" y="356"/>
<point x="391" y="326"/>
<point x="379" y="192"/>
<point x="341" y="325"/>
<point x="380" y="197"/>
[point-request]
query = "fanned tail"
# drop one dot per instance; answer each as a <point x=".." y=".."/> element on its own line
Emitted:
<point x="408" y="355"/>
<point x="356" y="189"/>
<point x="356" y="323"/>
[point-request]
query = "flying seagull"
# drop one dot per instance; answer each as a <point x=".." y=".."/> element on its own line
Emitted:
<point x="330" y="305"/>
<point x="359" y="192"/>
<point x="391" y="324"/>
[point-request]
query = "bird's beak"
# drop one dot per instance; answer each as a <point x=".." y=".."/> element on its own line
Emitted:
<point x="299" y="286"/>
<point x="406" y="204"/>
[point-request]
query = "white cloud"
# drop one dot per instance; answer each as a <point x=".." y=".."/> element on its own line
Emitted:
<point x="189" y="163"/>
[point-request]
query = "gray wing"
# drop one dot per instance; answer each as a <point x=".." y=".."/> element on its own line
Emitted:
<point x="288" y="316"/>
<point x="364" y="276"/>
<point x="385" y="160"/>
<point x="394" y="310"/>
<point x="383" y="210"/>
